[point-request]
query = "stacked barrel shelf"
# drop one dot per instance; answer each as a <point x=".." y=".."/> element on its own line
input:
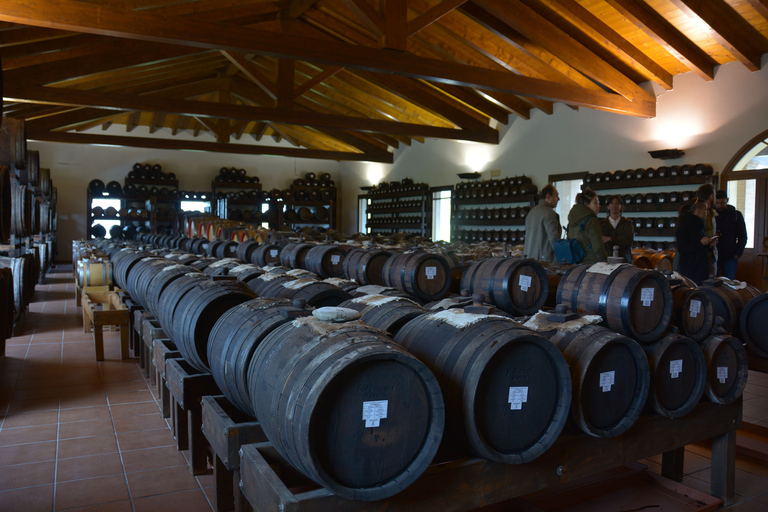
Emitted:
<point x="311" y="202"/>
<point x="399" y="207"/>
<point x="28" y="227"/>
<point x="353" y="376"/>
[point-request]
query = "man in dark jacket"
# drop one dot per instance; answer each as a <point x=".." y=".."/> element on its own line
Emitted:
<point x="733" y="236"/>
<point x="693" y="244"/>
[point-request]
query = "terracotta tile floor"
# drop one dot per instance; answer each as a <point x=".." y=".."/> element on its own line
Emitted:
<point x="80" y="435"/>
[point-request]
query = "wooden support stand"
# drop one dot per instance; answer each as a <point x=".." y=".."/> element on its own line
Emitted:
<point x="102" y="309"/>
<point x="132" y="306"/>
<point x="163" y="349"/>
<point x="468" y="484"/>
<point x="188" y="386"/>
<point x="150" y="331"/>
<point x="136" y="341"/>
<point x="227" y="429"/>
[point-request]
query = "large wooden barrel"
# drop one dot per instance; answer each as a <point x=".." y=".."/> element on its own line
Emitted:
<point x="266" y="254"/>
<point x="692" y="313"/>
<point x="198" y="306"/>
<point x="221" y="267"/>
<point x="315" y="293"/>
<point x="610" y="377"/>
<point x="728" y="302"/>
<point x="18" y="141"/>
<point x="365" y="265"/>
<point x="422" y="275"/>
<point x="507" y="389"/>
<point x="678" y="375"/>
<point x="385" y="312"/>
<point x="727" y="368"/>
<point x="21" y="209"/>
<point x="143" y="274"/>
<point x="515" y="285"/>
<point x="5" y="205"/>
<point x="631" y="300"/>
<point x="293" y="255"/>
<point x="246" y="272"/>
<point x="753" y="330"/>
<point x="161" y="280"/>
<point x="93" y="273"/>
<point x="325" y="260"/>
<point x="235" y="337"/>
<point x="33" y="168"/>
<point x="357" y="414"/>
<point x="123" y="262"/>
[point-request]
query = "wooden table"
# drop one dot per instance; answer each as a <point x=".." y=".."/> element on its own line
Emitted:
<point x="103" y="308"/>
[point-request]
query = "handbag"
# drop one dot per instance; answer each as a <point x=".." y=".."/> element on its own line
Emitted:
<point x="569" y="250"/>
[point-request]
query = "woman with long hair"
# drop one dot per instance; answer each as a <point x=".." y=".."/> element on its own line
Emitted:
<point x="584" y="227"/>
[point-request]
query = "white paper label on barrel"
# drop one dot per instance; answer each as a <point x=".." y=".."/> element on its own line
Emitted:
<point x="675" y="368"/>
<point x="695" y="308"/>
<point x="335" y="258"/>
<point x="722" y="374"/>
<point x="525" y="283"/>
<point x="374" y="412"/>
<point x="273" y="253"/>
<point x="607" y="380"/>
<point x="431" y="272"/>
<point x="517" y="397"/>
<point x="646" y="296"/>
<point x="603" y="268"/>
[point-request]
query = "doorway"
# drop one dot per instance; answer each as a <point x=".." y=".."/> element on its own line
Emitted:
<point x="745" y="179"/>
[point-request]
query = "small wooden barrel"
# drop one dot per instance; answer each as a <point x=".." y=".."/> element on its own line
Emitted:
<point x="265" y="280"/>
<point x="294" y="255"/>
<point x="357" y="414"/>
<point x="196" y="312"/>
<point x="727" y="368"/>
<point x="515" y="285"/>
<point x="507" y="389"/>
<point x="221" y="267"/>
<point x="693" y="313"/>
<point x="233" y="340"/>
<point x="640" y="258"/>
<point x="752" y="325"/>
<point x="365" y="265"/>
<point x="266" y="254"/>
<point x="423" y="275"/>
<point x="678" y="375"/>
<point x="245" y="250"/>
<point x="610" y="377"/>
<point x="661" y="261"/>
<point x="729" y="303"/>
<point x="385" y="312"/>
<point x="632" y="301"/>
<point x="314" y="293"/>
<point x="5" y="204"/>
<point x="93" y="273"/>
<point x="246" y="272"/>
<point x="325" y="261"/>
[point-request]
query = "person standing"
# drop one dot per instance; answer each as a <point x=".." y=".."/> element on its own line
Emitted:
<point x="733" y="236"/>
<point x="542" y="227"/>
<point x="584" y="227"/>
<point x="693" y="244"/>
<point x="619" y="230"/>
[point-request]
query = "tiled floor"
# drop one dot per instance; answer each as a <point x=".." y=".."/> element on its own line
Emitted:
<point x="80" y="435"/>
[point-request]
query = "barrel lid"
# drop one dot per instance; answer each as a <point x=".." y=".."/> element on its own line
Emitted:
<point x="336" y="314"/>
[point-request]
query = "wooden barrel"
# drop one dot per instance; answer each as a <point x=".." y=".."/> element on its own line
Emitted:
<point x="373" y="289"/>
<point x="293" y="255"/>
<point x="162" y="279"/>
<point x="235" y="337"/>
<point x="122" y="263"/>
<point x="727" y="368"/>
<point x="507" y="389"/>
<point x="325" y="260"/>
<point x="365" y="265"/>
<point x="692" y="312"/>
<point x="203" y="263"/>
<point x="246" y="272"/>
<point x="385" y="312"/>
<point x="21" y="209"/>
<point x="93" y="273"/>
<point x="143" y="273"/>
<point x="18" y="141"/>
<point x="610" y="377"/>
<point x="266" y="254"/>
<point x="678" y="374"/>
<point x="19" y="269"/>
<point x="7" y="304"/>
<point x="423" y="275"/>
<point x="516" y="285"/>
<point x="198" y="307"/>
<point x="753" y="330"/>
<point x="221" y="267"/>
<point x="372" y="420"/>
<point x="641" y="259"/>
<point x="314" y="293"/>
<point x="5" y="204"/>
<point x="632" y="301"/>
<point x="729" y="303"/>
<point x="33" y="168"/>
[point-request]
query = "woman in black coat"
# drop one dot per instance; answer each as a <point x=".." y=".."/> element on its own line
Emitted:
<point x="693" y="244"/>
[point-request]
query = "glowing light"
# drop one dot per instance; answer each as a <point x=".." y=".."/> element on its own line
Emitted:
<point x="375" y="173"/>
<point x="477" y="156"/>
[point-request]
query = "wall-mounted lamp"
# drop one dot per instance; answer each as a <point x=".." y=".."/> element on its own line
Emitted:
<point x="667" y="154"/>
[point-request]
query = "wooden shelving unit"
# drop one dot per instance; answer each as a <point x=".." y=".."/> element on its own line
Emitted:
<point x="399" y="207"/>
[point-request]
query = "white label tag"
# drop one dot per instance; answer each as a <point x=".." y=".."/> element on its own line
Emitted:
<point x="374" y="412"/>
<point x="722" y="374"/>
<point x="335" y="258"/>
<point x="525" y="283"/>
<point x="607" y="380"/>
<point x="517" y="397"/>
<point x="675" y="368"/>
<point x="273" y="253"/>
<point x="604" y="268"/>
<point x="431" y="272"/>
<point x="695" y="308"/>
<point x="646" y="296"/>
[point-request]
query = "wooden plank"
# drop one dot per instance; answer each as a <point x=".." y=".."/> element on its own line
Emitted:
<point x="285" y="82"/>
<point x="432" y="15"/>
<point x="252" y="72"/>
<point x="395" y="24"/>
<point x="370" y="18"/>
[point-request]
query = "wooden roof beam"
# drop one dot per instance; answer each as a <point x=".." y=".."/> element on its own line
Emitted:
<point x="252" y="72"/>
<point x="370" y="18"/>
<point x="761" y="6"/>
<point x="432" y="15"/>
<point x="315" y="80"/>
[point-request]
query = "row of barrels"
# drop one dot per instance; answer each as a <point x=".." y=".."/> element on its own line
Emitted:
<point x="511" y="213"/>
<point x="659" y="198"/>
<point x="471" y="354"/>
<point x="672" y="171"/>
<point x="508" y="236"/>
